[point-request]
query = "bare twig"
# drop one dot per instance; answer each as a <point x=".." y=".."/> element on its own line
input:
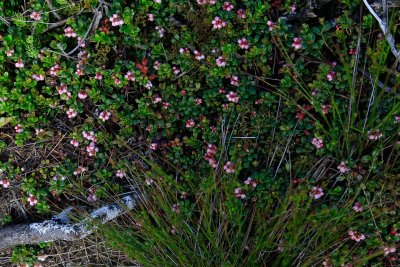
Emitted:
<point x="385" y="29"/>
<point x="57" y="229"/>
<point x="52" y="10"/>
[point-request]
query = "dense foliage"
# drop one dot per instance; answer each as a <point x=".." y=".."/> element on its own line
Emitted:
<point x="253" y="109"/>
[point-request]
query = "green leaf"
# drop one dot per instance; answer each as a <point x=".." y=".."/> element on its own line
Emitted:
<point x="5" y="120"/>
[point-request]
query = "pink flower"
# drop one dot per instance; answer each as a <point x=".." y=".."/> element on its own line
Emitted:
<point x="92" y="149"/>
<point x="375" y="135"/>
<point x="198" y="101"/>
<point x="156" y="65"/>
<point x="98" y="76"/>
<point x="89" y="136"/>
<point x="190" y="123"/>
<point x="358" y="207"/>
<point x="160" y="31"/>
<point x="38" y="131"/>
<point x="356" y="236"/>
<point x="316" y="192"/>
<point x="81" y="42"/>
<point x="227" y="6"/>
<point x="54" y="70"/>
<point x="156" y="100"/>
<point x="92" y="197"/>
<point x="331" y="75"/>
<point x="243" y="43"/>
<point x="5" y="183"/>
<point x="150" y="17"/>
<point x="71" y="113"/>
<point x="250" y="181"/>
<point x="293" y="8"/>
<point x="352" y="51"/>
<point x="317" y="142"/>
<point x="221" y="61"/>
<point x="232" y="97"/>
<point x="176" y="70"/>
<point x="229" y="167"/>
<point x="79" y="170"/>
<point x="82" y="94"/>
<point x="239" y="193"/>
<point x="9" y="53"/>
<point x="271" y="25"/>
<point x="148" y="85"/>
<point x="117" y="81"/>
<point x="166" y="105"/>
<point x="32" y="200"/>
<point x="157" y="1"/>
<point x="38" y="77"/>
<point x="19" y="64"/>
<point x="129" y="76"/>
<point x="241" y="14"/>
<point x="148" y="181"/>
<point x="342" y="167"/>
<point x="120" y="173"/>
<point x="79" y="72"/>
<point x="74" y="142"/>
<point x="18" y="128"/>
<point x="325" y="108"/>
<point x="176" y="208"/>
<point x="218" y="23"/>
<point x="153" y="146"/>
<point x="202" y="2"/>
<point x="69" y="32"/>
<point x="397" y="119"/>
<point x="198" y="55"/>
<point x="104" y="115"/>
<point x="184" y="50"/>
<point x="235" y="80"/>
<point x="116" y="20"/>
<point x="42" y="257"/>
<point x="35" y="16"/>
<point x="296" y="43"/>
<point x="388" y="250"/>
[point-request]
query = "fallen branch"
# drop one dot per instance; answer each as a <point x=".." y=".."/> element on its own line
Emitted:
<point x="59" y="227"/>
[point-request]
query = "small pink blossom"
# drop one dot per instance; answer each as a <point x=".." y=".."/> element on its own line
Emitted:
<point x="176" y="208"/>
<point x="235" y="80"/>
<point x="221" y="61"/>
<point x="317" y="142"/>
<point x="69" y="32"/>
<point x="81" y="42"/>
<point x="358" y="207"/>
<point x="38" y="77"/>
<point x="241" y="14"/>
<point x="296" y="43"/>
<point x="116" y="20"/>
<point x="79" y="72"/>
<point x="331" y="75"/>
<point x="190" y="123"/>
<point x="229" y="167"/>
<point x="184" y="50"/>
<point x="148" y="181"/>
<point x="198" y="55"/>
<point x="79" y="170"/>
<point x="157" y="1"/>
<point x="129" y="76"/>
<point x="54" y="70"/>
<point x="342" y="167"/>
<point x="176" y="70"/>
<point x="42" y="257"/>
<point x="388" y="250"/>
<point x="120" y="173"/>
<point x="198" y="101"/>
<point x="35" y="16"/>
<point x="397" y="119"/>
<point x="19" y="64"/>
<point x="156" y="100"/>
<point x="89" y="136"/>
<point x="149" y="85"/>
<point x="228" y="6"/>
<point x="105" y="115"/>
<point x="243" y="43"/>
<point x="316" y="192"/>
<point x="32" y="200"/>
<point x="9" y="53"/>
<point x="150" y="17"/>
<point x="250" y="181"/>
<point x="5" y="183"/>
<point x="156" y="65"/>
<point x="239" y="193"/>
<point x="82" y="94"/>
<point x="356" y="236"/>
<point x="153" y="146"/>
<point x="375" y="135"/>
<point x="92" y="197"/>
<point x="160" y="31"/>
<point x="271" y="25"/>
<point x="92" y="149"/>
<point x="166" y="105"/>
<point x="117" y="81"/>
<point x="71" y="113"/>
<point x="218" y="23"/>
<point x="98" y="76"/>
<point x="325" y="108"/>
<point x="38" y="131"/>
<point x="74" y="142"/>
<point x="232" y="97"/>
<point x="18" y="128"/>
